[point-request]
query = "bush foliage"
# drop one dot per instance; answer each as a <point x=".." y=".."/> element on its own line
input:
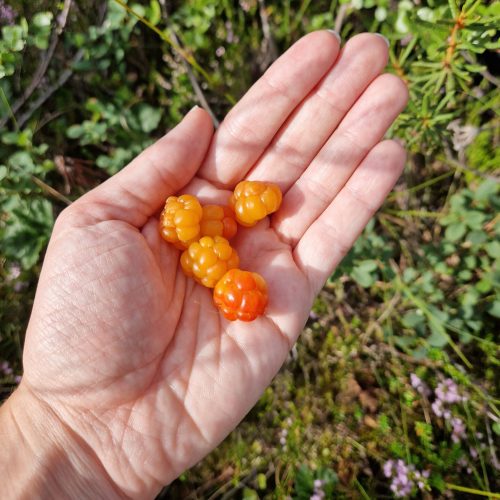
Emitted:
<point x="391" y="390"/>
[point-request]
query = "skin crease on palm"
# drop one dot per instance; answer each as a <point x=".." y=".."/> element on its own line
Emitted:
<point x="129" y="355"/>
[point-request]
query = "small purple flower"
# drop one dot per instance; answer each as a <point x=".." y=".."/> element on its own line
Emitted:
<point x="388" y="468"/>
<point x="19" y="286"/>
<point x="313" y="315"/>
<point x="419" y="385"/>
<point x="283" y="435"/>
<point x="7" y="13"/>
<point x="17" y="379"/>
<point x="245" y="5"/>
<point x="401" y="468"/>
<point x="220" y="51"/>
<point x="458" y="429"/>
<point x="318" y="493"/>
<point x="415" y="381"/>
<point x="14" y="270"/>
<point x="437" y="408"/>
<point x="419" y="479"/>
<point x="315" y="496"/>
<point x="401" y="488"/>
<point x="473" y="453"/>
<point x="6" y="368"/>
<point x="447" y="391"/>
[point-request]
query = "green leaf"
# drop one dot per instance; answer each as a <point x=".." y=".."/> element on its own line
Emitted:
<point x="494" y="309"/>
<point x="362" y="275"/>
<point x="496" y="428"/>
<point x="154" y="14"/>
<point x="3" y="172"/>
<point x="261" y="481"/>
<point x="42" y="19"/>
<point x="474" y="219"/>
<point x="249" y="494"/>
<point x="477" y="237"/>
<point x="493" y="249"/>
<point x="455" y="231"/>
<point x="438" y="337"/>
<point x="14" y="38"/>
<point x="486" y="189"/>
<point x="453" y="7"/>
<point x="413" y="319"/>
<point x="149" y="117"/>
<point x="74" y="132"/>
<point x="27" y="231"/>
<point x="304" y="482"/>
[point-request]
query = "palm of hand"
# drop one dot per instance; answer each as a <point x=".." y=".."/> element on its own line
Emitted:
<point x="139" y="362"/>
<point x="155" y="359"/>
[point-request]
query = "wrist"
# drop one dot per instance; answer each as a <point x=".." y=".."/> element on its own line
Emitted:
<point x="42" y="458"/>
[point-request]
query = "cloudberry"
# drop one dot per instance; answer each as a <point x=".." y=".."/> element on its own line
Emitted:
<point x="208" y="260"/>
<point x="180" y="220"/>
<point x="218" y="221"/>
<point x="253" y="200"/>
<point x="241" y="295"/>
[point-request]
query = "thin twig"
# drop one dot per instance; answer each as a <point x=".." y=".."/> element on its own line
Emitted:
<point x="485" y="74"/>
<point x="44" y="62"/>
<point x="192" y="78"/>
<point x="340" y="17"/>
<point x="63" y="78"/>
<point x="384" y="315"/>
<point x="177" y="49"/>
<point x="50" y="190"/>
<point x="268" y="45"/>
<point x="457" y="165"/>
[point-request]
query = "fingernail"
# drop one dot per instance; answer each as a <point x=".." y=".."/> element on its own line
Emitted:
<point x="335" y="34"/>
<point x="383" y="38"/>
<point x="193" y="108"/>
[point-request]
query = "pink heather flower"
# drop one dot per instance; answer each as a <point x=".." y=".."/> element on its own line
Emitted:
<point x="400" y="488"/>
<point x="313" y="315"/>
<point x="17" y="379"/>
<point x="14" y="272"/>
<point x="7" y="13"/>
<point x="447" y="391"/>
<point x="19" y="286"/>
<point x="388" y="468"/>
<point x="6" y="368"/>
<point x="458" y="429"/>
<point x="437" y="408"/>
<point x="245" y="5"/>
<point x="318" y="493"/>
<point x="220" y="51"/>
<point x="283" y="435"/>
<point x="419" y="478"/>
<point x="473" y="453"/>
<point x="419" y="385"/>
<point x="404" y="477"/>
<point x="415" y="381"/>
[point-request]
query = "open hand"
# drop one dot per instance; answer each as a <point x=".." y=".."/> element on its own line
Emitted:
<point x="129" y="356"/>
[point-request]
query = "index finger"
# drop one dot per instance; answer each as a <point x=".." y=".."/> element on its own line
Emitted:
<point x="250" y="126"/>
